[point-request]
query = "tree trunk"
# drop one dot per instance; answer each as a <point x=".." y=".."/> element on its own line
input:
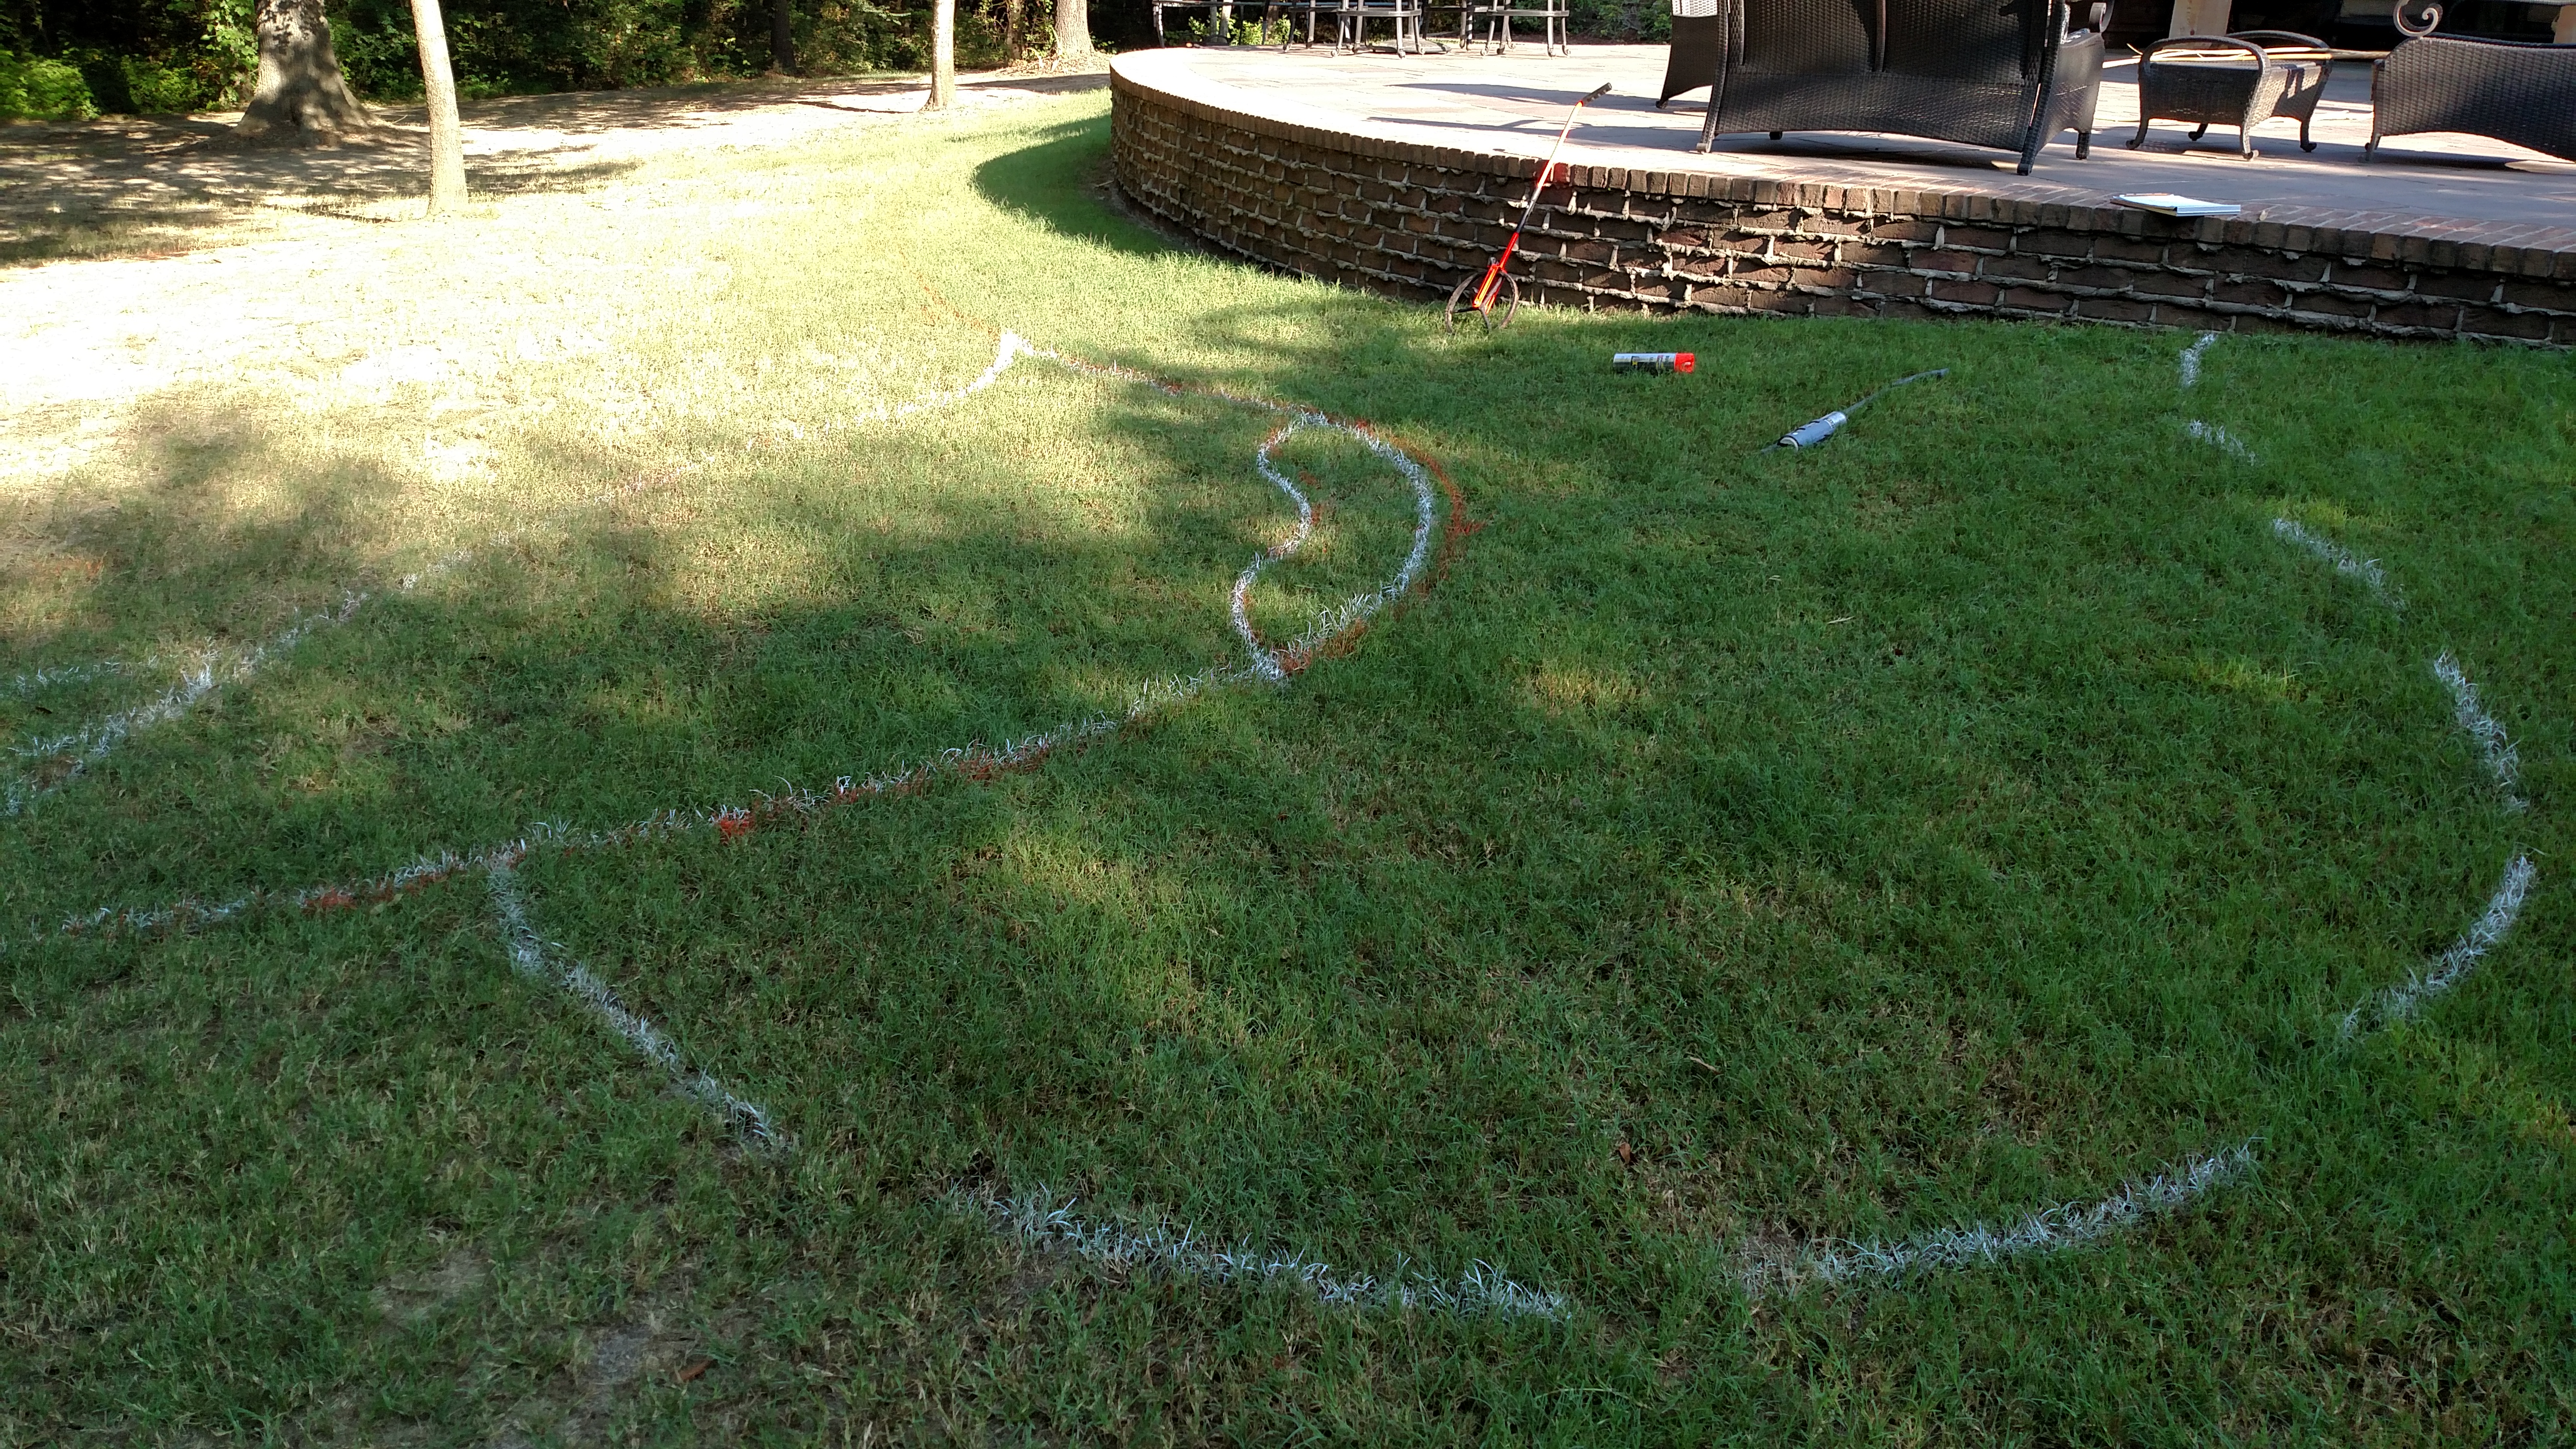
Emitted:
<point x="943" y="56"/>
<point x="782" y="36"/>
<point x="446" y="132"/>
<point x="1012" y="28"/>
<point x="1072" y="28"/>
<point x="300" y="94"/>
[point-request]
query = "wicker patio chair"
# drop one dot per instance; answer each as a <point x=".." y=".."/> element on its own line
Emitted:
<point x="2241" y="79"/>
<point x="2506" y="89"/>
<point x="2010" y="75"/>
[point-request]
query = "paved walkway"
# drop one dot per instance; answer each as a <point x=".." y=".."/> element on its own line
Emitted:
<point x="1514" y="103"/>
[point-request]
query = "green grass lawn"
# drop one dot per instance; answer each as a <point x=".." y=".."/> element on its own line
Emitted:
<point x="1721" y="858"/>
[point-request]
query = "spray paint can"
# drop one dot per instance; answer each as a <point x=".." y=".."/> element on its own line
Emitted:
<point x="1810" y="434"/>
<point x="1654" y="361"/>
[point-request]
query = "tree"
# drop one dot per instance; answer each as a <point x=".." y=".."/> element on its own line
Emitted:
<point x="300" y="94"/>
<point x="782" y="36"/>
<point x="943" y="56"/>
<point x="446" y="132"/>
<point x="1072" y="28"/>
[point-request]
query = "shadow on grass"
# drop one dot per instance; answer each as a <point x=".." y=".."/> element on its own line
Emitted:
<point x="1058" y="184"/>
<point x="170" y="185"/>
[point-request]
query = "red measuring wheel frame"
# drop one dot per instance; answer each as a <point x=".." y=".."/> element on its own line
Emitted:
<point x="1493" y="295"/>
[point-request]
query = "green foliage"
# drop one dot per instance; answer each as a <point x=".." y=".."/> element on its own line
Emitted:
<point x="157" y="56"/>
<point x="184" y="55"/>
<point x="1628" y="20"/>
<point x="1219" y="31"/>
<point x="33" y="88"/>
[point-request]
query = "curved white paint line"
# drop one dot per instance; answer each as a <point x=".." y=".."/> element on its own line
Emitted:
<point x="2072" y="1226"/>
<point x="528" y="952"/>
<point x="2210" y="433"/>
<point x="1275" y="665"/>
<point x="2495" y="749"/>
<point x="974" y="761"/>
<point x="93" y="742"/>
<point x="2219" y="438"/>
<point x="1038" y="1220"/>
<point x="970" y="761"/>
<point x="2365" y="569"/>
<point x="1264" y="663"/>
<point x="2502" y="761"/>
<point x="2191" y="359"/>
<point x="2053" y="1230"/>
<point x="2439" y="975"/>
<point x="1479" y="1290"/>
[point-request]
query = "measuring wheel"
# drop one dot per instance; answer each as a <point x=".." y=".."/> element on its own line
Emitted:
<point x="1492" y="295"/>
<point x="1496" y="314"/>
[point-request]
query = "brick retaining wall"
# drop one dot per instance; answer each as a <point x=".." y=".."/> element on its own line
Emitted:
<point x="1411" y="219"/>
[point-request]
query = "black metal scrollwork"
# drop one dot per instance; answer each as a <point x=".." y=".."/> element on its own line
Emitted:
<point x="2428" y="13"/>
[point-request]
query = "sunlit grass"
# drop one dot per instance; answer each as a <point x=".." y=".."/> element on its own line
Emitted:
<point x="1732" y="850"/>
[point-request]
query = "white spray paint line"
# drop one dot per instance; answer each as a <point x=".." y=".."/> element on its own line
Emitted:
<point x="2055" y="1230"/>
<point x="2439" y="975"/>
<point x="2365" y="569"/>
<point x="1267" y="664"/>
<point x="530" y="955"/>
<point x="2071" y="1226"/>
<point x="2191" y="359"/>
<point x="2502" y="761"/>
<point x="2496" y="750"/>
<point x="63" y="676"/>
<point x="1480" y="1290"/>
<point x="1039" y="1221"/>
<point x="973" y="761"/>
<point x="2210" y="433"/>
<point x="77" y="751"/>
<point x="2219" y="438"/>
<point x="95" y="741"/>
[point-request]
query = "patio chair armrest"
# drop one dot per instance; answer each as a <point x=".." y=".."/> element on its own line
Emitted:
<point x="2203" y="42"/>
<point x="2281" y="39"/>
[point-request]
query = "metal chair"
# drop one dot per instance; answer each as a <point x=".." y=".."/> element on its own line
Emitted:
<point x="1221" y="16"/>
<point x="1353" y="18"/>
<point x="1497" y="17"/>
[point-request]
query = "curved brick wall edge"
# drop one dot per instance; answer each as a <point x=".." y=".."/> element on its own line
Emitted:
<point x="1410" y="219"/>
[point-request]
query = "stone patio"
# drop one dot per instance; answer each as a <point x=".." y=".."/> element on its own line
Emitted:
<point x="1381" y="170"/>
<point x="1514" y="102"/>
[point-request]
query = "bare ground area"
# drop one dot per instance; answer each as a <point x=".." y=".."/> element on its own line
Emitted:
<point x="151" y="185"/>
<point x="169" y="256"/>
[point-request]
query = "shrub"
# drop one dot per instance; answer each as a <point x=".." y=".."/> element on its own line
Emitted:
<point x="154" y="89"/>
<point x="1629" y="20"/>
<point x="32" y="87"/>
